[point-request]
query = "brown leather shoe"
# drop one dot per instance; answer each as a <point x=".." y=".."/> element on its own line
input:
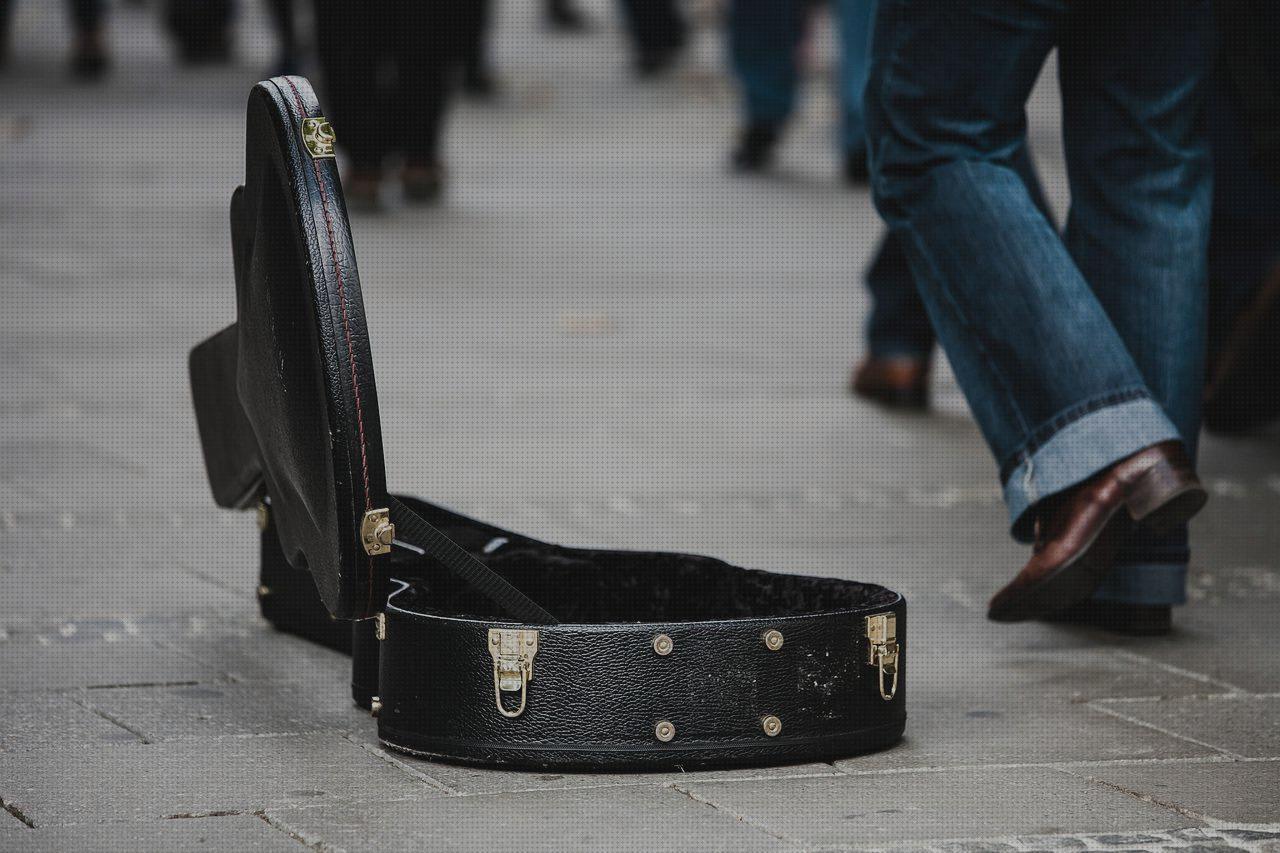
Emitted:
<point x="1077" y="530"/>
<point x="899" y="383"/>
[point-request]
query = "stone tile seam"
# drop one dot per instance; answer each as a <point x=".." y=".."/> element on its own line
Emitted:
<point x="1135" y="657"/>
<point x="1196" y="697"/>
<point x="644" y="782"/>
<point x="402" y="766"/>
<point x="1051" y="765"/>
<point x="740" y="818"/>
<point x="308" y="841"/>
<point x="111" y="718"/>
<point x="1137" y="795"/>
<point x="1167" y="732"/>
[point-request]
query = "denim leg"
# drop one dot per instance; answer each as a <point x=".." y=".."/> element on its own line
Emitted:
<point x="1138" y="159"/>
<point x="764" y="36"/>
<point x="1047" y="375"/>
<point x="898" y="326"/>
<point x="854" y="19"/>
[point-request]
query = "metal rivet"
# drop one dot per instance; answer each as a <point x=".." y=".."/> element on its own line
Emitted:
<point x="264" y="516"/>
<point x="771" y="725"/>
<point x="662" y="644"/>
<point x="772" y="639"/>
<point x="375" y="706"/>
<point x="664" y="731"/>
<point x="263" y="590"/>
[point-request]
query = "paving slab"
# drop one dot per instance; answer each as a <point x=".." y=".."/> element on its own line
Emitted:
<point x="34" y="723"/>
<point x="247" y="833"/>
<point x="251" y="650"/>
<point x="646" y="819"/>
<point x="1242" y="725"/>
<point x="145" y="782"/>
<point x="92" y="653"/>
<point x="1031" y="731"/>
<point x="1240" y="792"/>
<point x="884" y="810"/>
<point x="207" y="711"/>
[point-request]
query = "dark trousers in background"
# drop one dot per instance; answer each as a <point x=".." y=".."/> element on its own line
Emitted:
<point x="656" y="26"/>
<point x="388" y="68"/>
<point x="86" y="15"/>
<point x="1074" y="350"/>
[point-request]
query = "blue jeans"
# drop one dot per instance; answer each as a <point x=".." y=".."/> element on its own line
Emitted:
<point x="1073" y="350"/>
<point x="764" y="38"/>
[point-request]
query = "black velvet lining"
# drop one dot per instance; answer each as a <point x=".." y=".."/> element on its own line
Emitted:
<point x="596" y="586"/>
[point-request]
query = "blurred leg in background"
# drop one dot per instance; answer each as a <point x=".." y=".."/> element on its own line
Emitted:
<point x="1081" y="357"/>
<point x="895" y="370"/>
<point x="477" y="76"/>
<point x="1242" y="391"/>
<point x="283" y="19"/>
<point x="658" y="33"/>
<point x="854" y="18"/>
<point x="388" y="69"/>
<point x="764" y="43"/>
<point x="89" y="53"/>
<point x="201" y="29"/>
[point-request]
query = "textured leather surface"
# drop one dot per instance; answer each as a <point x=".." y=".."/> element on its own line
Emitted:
<point x="599" y="690"/>
<point x="303" y="368"/>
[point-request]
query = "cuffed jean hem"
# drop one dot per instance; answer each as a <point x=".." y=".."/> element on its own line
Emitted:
<point x="1079" y="450"/>
<point x="1145" y="583"/>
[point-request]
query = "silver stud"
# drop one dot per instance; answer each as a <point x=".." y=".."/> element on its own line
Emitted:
<point x="771" y="725"/>
<point x="375" y="706"/>
<point x="263" y="590"/>
<point x="772" y="639"/>
<point x="664" y="731"/>
<point x="663" y="644"/>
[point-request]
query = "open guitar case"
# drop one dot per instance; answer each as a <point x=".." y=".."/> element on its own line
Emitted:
<point x="471" y="643"/>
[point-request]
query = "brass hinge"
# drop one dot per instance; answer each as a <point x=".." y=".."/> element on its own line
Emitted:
<point x="512" y="650"/>
<point x="317" y="135"/>
<point x="883" y="651"/>
<point x="377" y="532"/>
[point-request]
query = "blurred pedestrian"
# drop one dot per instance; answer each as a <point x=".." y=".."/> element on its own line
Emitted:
<point x="1081" y="354"/>
<point x="765" y="38"/>
<point x="89" y="59"/>
<point x="388" y="68"/>
<point x="658" y="33"/>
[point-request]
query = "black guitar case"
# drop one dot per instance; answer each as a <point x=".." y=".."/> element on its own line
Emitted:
<point x="471" y="643"/>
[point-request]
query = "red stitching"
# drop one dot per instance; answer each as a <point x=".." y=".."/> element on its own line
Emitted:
<point x="342" y="301"/>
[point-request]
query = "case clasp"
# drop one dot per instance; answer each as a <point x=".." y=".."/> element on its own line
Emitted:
<point x="883" y="651"/>
<point x="377" y="532"/>
<point x="512" y="650"/>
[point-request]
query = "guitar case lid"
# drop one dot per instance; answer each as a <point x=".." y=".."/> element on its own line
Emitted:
<point x="302" y="419"/>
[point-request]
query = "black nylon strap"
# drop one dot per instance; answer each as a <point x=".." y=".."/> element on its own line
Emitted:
<point x="416" y="530"/>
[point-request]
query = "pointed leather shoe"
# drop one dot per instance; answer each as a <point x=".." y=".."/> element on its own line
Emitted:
<point x="1078" y="530"/>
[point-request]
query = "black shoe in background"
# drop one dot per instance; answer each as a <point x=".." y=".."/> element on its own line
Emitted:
<point x="1132" y="620"/>
<point x="564" y="17"/>
<point x="755" y="148"/>
<point x="89" y="60"/>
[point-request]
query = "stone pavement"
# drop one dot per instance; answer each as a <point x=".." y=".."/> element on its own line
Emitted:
<point x="599" y="338"/>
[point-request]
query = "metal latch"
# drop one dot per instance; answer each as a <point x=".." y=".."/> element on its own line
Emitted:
<point x="377" y="532"/>
<point x="512" y="650"/>
<point x="882" y="650"/>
